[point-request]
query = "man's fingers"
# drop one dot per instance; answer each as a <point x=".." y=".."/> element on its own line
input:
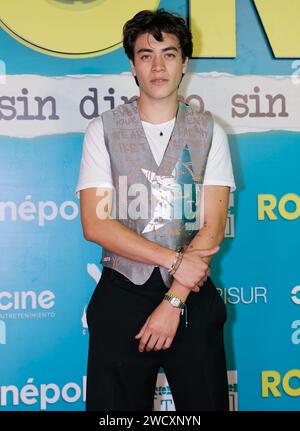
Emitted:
<point x="160" y="342"/>
<point x="151" y="342"/>
<point x="142" y="330"/>
<point x="168" y="343"/>
<point x="144" y="341"/>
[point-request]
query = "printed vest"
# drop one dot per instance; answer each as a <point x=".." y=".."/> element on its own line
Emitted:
<point x="160" y="203"/>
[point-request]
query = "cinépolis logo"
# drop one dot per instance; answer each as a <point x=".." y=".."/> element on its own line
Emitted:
<point x="43" y="395"/>
<point x="39" y="212"/>
<point x="25" y="304"/>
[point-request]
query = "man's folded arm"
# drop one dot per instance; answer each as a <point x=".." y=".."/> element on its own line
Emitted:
<point x="99" y="227"/>
<point x="212" y="233"/>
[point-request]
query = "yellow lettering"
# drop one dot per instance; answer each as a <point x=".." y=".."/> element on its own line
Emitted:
<point x="280" y="20"/>
<point x="293" y="392"/>
<point x="289" y="215"/>
<point x="219" y="39"/>
<point x="266" y="204"/>
<point x="73" y="29"/>
<point x="269" y="383"/>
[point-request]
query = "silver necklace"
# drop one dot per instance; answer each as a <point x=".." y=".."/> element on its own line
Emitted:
<point x="161" y="133"/>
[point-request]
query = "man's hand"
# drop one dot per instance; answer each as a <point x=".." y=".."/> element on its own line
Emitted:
<point x="197" y="287"/>
<point x="160" y="328"/>
<point x="193" y="270"/>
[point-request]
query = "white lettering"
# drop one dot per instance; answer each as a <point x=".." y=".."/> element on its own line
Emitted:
<point x="26" y="300"/>
<point x="235" y="295"/>
<point x="294" y="297"/>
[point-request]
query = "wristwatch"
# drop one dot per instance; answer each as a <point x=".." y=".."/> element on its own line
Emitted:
<point x="175" y="301"/>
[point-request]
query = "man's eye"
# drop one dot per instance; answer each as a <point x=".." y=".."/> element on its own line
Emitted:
<point x="170" y="55"/>
<point x="145" y="57"/>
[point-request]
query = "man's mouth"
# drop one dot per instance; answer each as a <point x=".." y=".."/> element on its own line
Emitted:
<point x="158" y="81"/>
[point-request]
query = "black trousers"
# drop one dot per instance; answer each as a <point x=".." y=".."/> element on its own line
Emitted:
<point x="119" y="377"/>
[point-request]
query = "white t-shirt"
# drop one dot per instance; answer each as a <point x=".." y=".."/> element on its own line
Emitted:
<point x="95" y="169"/>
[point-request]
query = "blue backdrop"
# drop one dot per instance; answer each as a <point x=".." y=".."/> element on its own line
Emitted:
<point x="48" y="271"/>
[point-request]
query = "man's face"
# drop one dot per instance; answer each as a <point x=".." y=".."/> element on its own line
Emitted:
<point x="158" y="66"/>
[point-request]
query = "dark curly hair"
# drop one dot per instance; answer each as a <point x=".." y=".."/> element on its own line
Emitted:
<point x="156" y="22"/>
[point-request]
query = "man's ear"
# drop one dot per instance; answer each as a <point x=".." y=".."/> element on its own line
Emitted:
<point x="185" y="65"/>
<point x="132" y="68"/>
<point x="133" y="72"/>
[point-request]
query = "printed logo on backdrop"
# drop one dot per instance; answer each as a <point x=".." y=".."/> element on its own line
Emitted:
<point x="95" y="273"/>
<point x="163" y="399"/>
<point x="271" y="207"/>
<point x="295" y="326"/>
<point x="296" y="73"/>
<point x="275" y="383"/>
<point x="2" y="72"/>
<point x="40" y="212"/>
<point x="233" y="389"/>
<point x="2" y="332"/>
<point x="229" y="230"/>
<point x="161" y="206"/>
<point x="25" y="304"/>
<point x="42" y="395"/>
<point x="63" y="22"/>
<point x="34" y="105"/>
<point x="62" y="37"/>
<point x="244" y="295"/>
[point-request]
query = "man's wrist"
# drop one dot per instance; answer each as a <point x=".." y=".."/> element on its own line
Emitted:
<point x="180" y="290"/>
<point x="166" y="257"/>
<point x="170" y="307"/>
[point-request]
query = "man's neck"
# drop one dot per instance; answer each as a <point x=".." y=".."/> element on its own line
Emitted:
<point x="157" y="111"/>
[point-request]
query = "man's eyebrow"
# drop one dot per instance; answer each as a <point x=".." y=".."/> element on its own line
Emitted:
<point x="168" y="48"/>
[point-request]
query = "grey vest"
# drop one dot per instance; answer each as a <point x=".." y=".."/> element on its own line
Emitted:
<point x="157" y="202"/>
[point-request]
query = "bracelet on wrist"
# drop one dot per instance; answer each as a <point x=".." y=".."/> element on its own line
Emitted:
<point x="176" y="262"/>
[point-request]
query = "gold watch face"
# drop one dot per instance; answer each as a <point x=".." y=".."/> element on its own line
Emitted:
<point x="175" y="302"/>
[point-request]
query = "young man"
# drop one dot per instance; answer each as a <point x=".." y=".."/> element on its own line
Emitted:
<point x="155" y="153"/>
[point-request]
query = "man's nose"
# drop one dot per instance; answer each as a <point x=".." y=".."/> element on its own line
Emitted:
<point x="158" y="64"/>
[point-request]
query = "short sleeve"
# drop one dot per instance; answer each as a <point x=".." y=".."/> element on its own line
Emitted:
<point x="219" y="167"/>
<point x="95" y="168"/>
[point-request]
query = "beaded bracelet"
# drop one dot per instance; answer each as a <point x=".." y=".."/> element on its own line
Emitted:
<point x="176" y="262"/>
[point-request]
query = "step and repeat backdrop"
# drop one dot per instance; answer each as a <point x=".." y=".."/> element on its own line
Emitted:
<point x="61" y="64"/>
